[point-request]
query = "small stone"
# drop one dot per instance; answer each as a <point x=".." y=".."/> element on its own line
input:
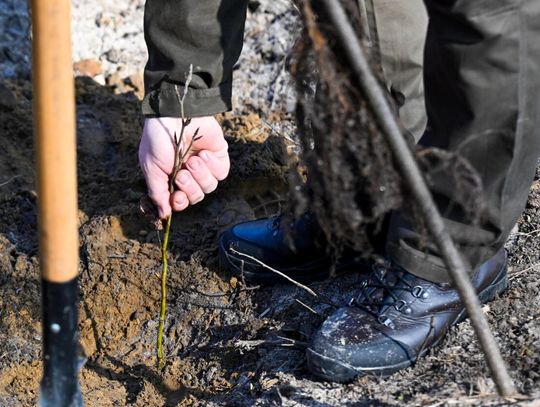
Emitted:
<point x="115" y="81"/>
<point x="136" y="81"/>
<point x="20" y="264"/>
<point x="143" y="233"/>
<point x="88" y="67"/>
<point x="100" y="79"/>
<point x="113" y="55"/>
<point x="266" y="384"/>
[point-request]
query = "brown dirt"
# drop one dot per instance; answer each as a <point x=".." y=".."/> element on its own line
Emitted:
<point x="223" y="340"/>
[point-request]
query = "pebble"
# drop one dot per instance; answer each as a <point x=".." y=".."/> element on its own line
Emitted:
<point x="88" y="67"/>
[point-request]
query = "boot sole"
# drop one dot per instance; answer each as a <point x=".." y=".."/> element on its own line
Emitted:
<point x="335" y="370"/>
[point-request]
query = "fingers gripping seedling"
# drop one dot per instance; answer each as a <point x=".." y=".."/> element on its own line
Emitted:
<point x="180" y="154"/>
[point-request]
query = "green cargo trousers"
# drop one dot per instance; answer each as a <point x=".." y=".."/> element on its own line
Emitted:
<point x="482" y="92"/>
<point x="479" y="63"/>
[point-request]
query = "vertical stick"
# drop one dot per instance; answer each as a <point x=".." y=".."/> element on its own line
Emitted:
<point x="54" y="127"/>
<point x="416" y="184"/>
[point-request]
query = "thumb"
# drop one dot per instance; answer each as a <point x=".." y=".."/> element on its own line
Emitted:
<point x="157" y="182"/>
<point x="156" y="157"/>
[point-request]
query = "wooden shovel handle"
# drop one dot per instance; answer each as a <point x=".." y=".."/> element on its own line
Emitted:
<point x="55" y="135"/>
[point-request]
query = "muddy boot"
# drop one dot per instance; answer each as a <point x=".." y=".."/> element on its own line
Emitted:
<point x="396" y="319"/>
<point x="269" y="241"/>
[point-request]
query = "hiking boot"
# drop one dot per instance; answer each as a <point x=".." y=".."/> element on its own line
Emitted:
<point x="268" y="240"/>
<point x="396" y="318"/>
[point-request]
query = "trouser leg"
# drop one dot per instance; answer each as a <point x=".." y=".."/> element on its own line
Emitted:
<point x="397" y="30"/>
<point x="205" y="34"/>
<point x="482" y="78"/>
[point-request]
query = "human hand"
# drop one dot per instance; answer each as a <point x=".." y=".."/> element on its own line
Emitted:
<point x="205" y="164"/>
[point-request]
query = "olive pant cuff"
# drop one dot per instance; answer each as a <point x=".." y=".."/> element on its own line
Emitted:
<point x="165" y="101"/>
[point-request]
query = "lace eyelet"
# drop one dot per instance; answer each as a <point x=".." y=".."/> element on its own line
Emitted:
<point x="359" y="299"/>
<point x="417" y="291"/>
<point x="384" y="320"/>
<point x="276" y="223"/>
<point x="400" y="305"/>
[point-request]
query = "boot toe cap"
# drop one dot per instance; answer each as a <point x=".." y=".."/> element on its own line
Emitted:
<point x="350" y="344"/>
<point x="239" y="239"/>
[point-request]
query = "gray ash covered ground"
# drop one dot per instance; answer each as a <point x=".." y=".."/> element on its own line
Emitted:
<point x="225" y="342"/>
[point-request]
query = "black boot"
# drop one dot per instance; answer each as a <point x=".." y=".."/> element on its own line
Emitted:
<point x="307" y="259"/>
<point x="396" y="319"/>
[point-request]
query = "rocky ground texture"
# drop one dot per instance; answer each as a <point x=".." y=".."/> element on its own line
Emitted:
<point x="227" y="343"/>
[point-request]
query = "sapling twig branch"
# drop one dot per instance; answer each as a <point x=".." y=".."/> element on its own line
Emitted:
<point x="180" y="155"/>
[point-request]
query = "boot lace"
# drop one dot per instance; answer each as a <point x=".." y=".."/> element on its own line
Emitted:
<point x="276" y="222"/>
<point x="384" y="292"/>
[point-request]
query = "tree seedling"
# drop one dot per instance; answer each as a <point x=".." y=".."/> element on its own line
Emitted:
<point x="179" y="158"/>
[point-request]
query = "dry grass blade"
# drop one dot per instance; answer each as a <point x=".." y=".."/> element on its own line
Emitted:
<point x="524" y="271"/>
<point x="9" y="180"/>
<point x="306" y="306"/>
<point x="279" y="273"/>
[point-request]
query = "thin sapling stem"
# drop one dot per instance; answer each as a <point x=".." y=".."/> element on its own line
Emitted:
<point x="180" y="155"/>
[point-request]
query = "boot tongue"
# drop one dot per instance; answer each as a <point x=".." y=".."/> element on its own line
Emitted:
<point x="398" y="290"/>
<point x="388" y="291"/>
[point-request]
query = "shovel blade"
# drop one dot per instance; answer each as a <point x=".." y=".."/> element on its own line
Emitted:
<point x="60" y="383"/>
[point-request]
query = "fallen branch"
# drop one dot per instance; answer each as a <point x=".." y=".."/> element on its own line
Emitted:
<point x="417" y="185"/>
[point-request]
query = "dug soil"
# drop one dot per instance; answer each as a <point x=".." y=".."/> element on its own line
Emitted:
<point x="226" y="343"/>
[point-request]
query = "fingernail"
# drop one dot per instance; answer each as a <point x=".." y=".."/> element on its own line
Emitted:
<point x="205" y="156"/>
